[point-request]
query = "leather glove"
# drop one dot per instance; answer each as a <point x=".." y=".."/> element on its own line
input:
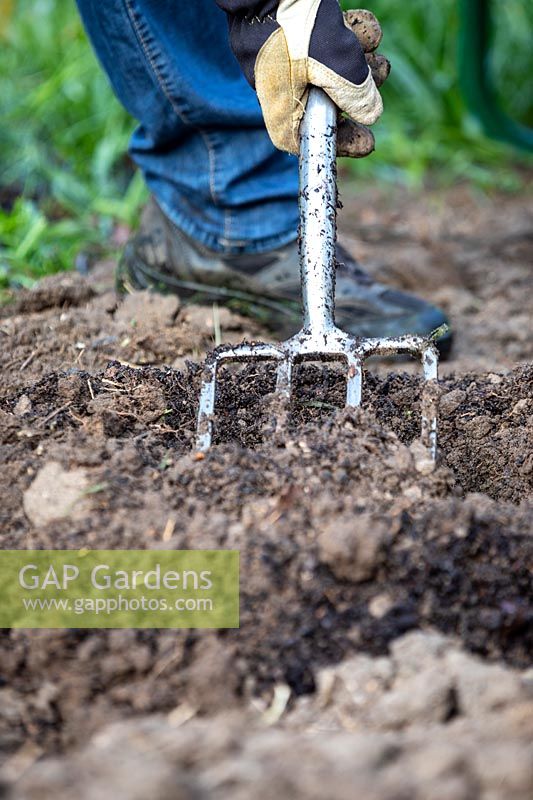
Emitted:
<point x="283" y="46"/>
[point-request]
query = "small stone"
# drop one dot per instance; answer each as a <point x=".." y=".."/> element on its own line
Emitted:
<point x="23" y="406"/>
<point x="519" y="408"/>
<point x="380" y="605"/>
<point x="450" y="401"/>
<point x="55" y="493"/>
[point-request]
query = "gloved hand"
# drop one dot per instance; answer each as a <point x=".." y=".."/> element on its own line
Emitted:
<point x="285" y="45"/>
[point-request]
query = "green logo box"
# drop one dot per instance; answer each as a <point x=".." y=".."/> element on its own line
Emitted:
<point x="119" y="589"/>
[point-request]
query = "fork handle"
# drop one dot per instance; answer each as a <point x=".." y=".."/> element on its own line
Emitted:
<point x="318" y="211"/>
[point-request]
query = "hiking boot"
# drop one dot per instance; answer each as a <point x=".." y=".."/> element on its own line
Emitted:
<point x="266" y="286"/>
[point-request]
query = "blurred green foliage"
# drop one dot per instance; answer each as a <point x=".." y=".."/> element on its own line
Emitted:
<point x="63" y="145"/>
<point x="426" y="128"/>
<point x="66" y="182"/>
<point x="512" y="58"/>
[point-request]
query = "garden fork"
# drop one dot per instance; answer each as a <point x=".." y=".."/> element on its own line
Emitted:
<point x="320" y="339"/>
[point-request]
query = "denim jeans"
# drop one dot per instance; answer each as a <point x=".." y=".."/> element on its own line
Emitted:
<point x="201" y="142"/>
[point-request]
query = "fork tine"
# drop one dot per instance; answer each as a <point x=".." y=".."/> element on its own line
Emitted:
<point x="206" y="412"/>
<point x="283" y="393"/>
<point x="284" y="378"/>
<point x="354" y="383"/>
<point x="243" y="352"/>
<point x="430" y="399"/>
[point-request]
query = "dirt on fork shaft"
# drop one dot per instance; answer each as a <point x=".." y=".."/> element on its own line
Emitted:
<point x="386" y="639"/>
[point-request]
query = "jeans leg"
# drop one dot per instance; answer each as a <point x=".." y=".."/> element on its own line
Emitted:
<point x="201" y="142"/>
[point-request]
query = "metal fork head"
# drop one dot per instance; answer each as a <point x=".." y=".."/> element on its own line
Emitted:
<point x="336" y="346"/>
<point x="320" y="339"/>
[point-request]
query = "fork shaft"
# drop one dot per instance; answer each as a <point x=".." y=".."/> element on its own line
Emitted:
<point x="318" y="211"/>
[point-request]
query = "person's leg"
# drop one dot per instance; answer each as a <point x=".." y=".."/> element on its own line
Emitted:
<point x="201" y="142"/>
<point x="225" y="222"/>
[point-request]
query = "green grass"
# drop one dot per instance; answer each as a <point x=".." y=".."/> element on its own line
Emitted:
<point x="63" y="146"/>
<point x="66" y="182"/>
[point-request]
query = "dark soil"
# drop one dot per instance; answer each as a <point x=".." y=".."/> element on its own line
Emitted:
<point x="353" y="551"/>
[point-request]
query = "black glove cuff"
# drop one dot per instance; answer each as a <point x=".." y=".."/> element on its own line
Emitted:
<point x="250" y="25"/>
<point x="249" y="8"/>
